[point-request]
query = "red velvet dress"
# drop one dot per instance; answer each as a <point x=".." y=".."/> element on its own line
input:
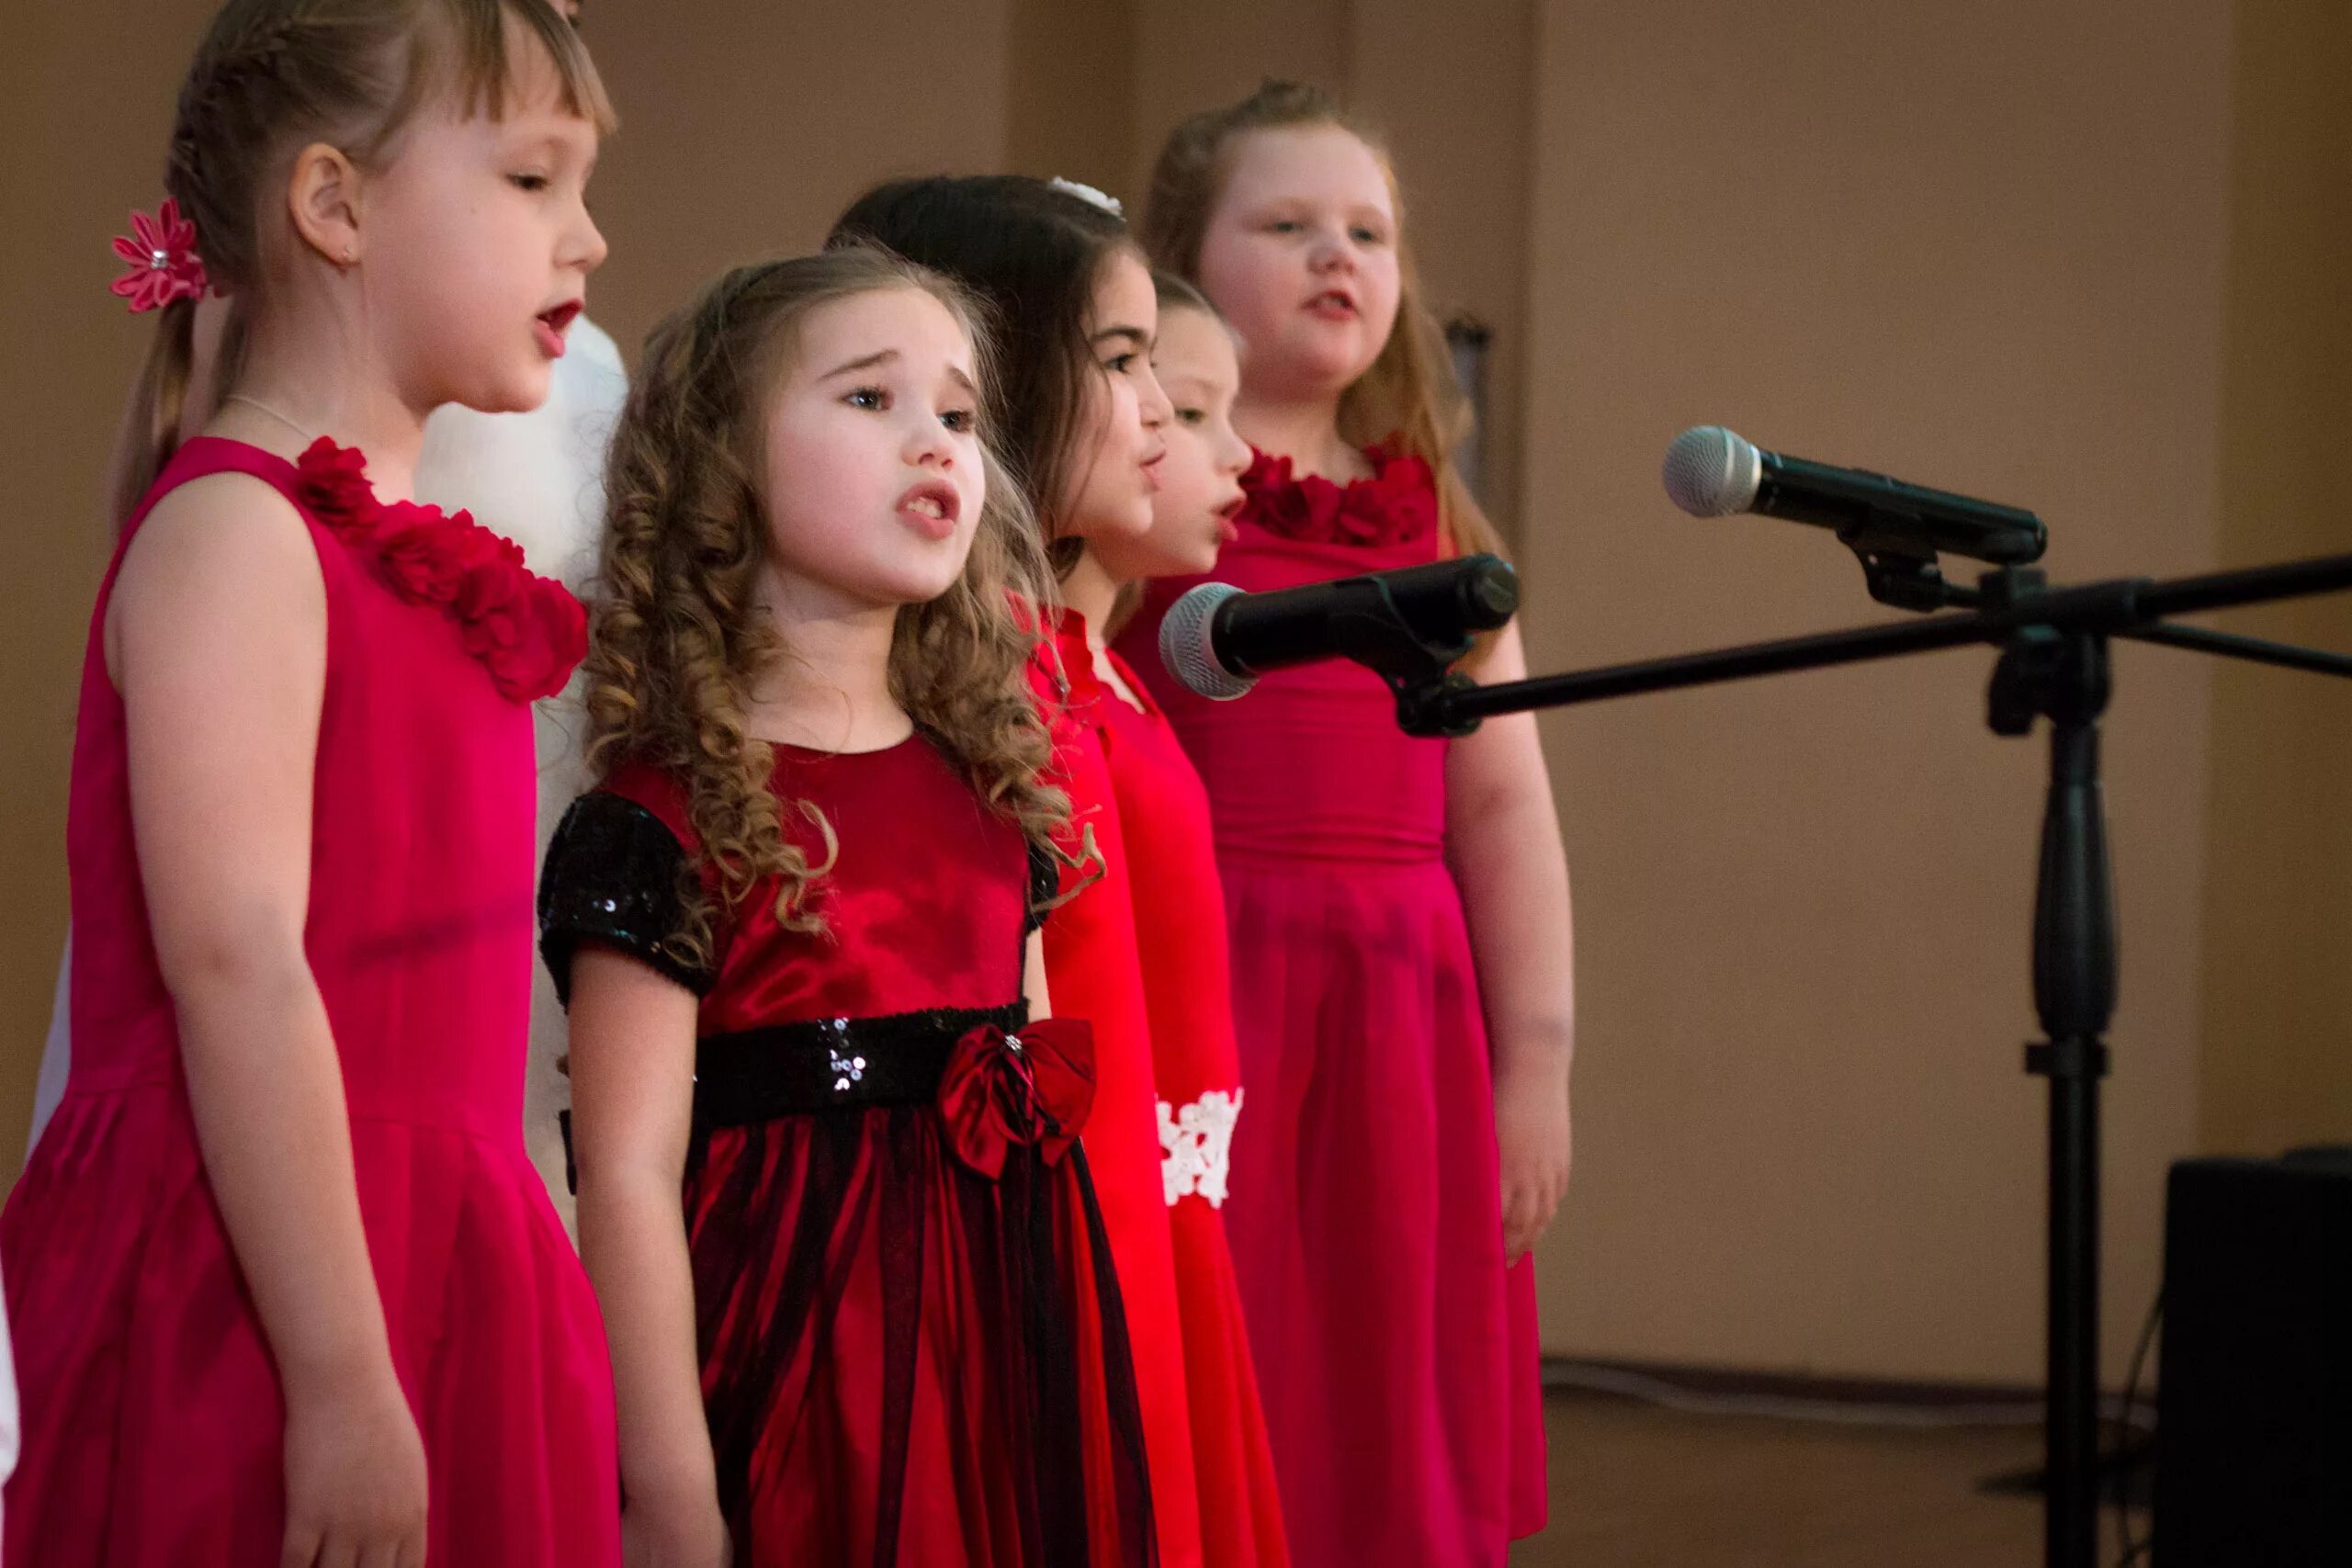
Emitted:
<point x="1094" y="970"/>
<point x="1180" y="930"/>
<point x="1395" y="1354"/>
<point x="154" y="1428"/>
<point x="913" y="1350"/>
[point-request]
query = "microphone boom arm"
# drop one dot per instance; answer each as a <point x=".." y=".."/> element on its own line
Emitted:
<point x="2123" y="607"/>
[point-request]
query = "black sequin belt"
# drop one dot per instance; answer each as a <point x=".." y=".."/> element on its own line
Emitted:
<point x="749" y="1076"/>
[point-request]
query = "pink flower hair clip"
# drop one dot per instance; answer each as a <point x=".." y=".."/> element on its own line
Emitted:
<point x="163" y="263"/>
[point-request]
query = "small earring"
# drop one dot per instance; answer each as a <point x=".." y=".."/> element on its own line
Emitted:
<point x="349" y="255"/>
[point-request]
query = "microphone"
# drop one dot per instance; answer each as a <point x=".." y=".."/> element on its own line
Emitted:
<point x="1218" y="640"/>
<point x="1710" y="472"/>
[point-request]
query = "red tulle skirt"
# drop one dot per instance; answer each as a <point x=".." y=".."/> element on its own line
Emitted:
<point x="906" y="1361"/>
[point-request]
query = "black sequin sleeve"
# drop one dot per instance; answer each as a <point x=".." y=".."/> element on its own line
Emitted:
<point x="615" y="876"/>
<point x="1045" y="884"/>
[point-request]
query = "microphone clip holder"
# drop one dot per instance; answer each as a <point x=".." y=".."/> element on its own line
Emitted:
<point x="1418" y="671"/>
<point x="1897" y="573"/>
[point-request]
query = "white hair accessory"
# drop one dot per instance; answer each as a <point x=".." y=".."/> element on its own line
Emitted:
<point x="1085" y="193"/>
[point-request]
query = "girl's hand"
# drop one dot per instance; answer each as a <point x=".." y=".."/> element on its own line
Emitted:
<point x="632" y="1118"/>
<point x="354" y="1473"/>
<point x="1532" y="1135"/>
<point x="674" y="1535"/>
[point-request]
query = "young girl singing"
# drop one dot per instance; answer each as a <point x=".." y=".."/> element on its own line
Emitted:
<point x="1180" y="919"/>
<point x="284" y="1285"/>
<point x="534" y="475"/>
<point x="796" y="927"/>
<point x="536" y="478"/>
<point x="1398" y="907"/>
<point x="1085" y="432"/>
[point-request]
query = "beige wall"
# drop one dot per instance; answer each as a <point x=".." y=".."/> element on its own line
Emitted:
<point x="747" y="127"/>
<point x="2086" y="258"/>
<point x="85" y="100"/>
<point x="1979" y="244"/>
<point x="1072" y="77"/>
<point x="2278" y="1014"/>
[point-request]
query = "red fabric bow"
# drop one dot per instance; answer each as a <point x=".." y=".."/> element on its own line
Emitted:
<point x="1035" y="1086"/>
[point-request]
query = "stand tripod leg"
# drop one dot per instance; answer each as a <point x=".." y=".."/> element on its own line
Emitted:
<point x="2074" y="993"/>
<point x="2070" y="1534"/>
<point x="2065" y="679"/>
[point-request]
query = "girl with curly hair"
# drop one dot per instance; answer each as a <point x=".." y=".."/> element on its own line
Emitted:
<point x="1086" y="430"/>
<point x="796" y="929"/>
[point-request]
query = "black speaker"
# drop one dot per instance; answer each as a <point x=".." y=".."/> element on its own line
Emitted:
<point x="2253" y="1436"/>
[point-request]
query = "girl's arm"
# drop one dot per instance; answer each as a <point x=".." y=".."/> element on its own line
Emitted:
<point x="1503" y="841"/>
<point x="632" y="1102"/>
<point x="216" y="641"/>
<point x="1033" y="976"/>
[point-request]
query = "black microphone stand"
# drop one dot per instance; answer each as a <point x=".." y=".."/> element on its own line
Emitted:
<point x="2054" y="665"/>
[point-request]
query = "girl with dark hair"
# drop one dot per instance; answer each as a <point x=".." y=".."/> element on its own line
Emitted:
<point x="1180" y="924"/>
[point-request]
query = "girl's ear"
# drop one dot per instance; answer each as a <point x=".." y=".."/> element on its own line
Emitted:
<point x="323" y="200"/>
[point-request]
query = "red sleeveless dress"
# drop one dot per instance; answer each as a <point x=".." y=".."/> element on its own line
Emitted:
<point x="1395" y="1354"/>
<point x="912" y="1346"/>
<point x="1094" y="969"/>
<point x="1180" y="931"/>
<point x="154" y="1422"/>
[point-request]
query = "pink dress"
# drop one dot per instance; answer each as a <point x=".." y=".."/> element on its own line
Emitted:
<point x="1395" y="1354"/>
<point x="154" y="1422"/>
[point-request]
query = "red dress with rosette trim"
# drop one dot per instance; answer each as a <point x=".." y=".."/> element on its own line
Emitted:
<point x="912" y="1346"/>
<point x="154" y="1432"/>
<point x="1395" y="1354"/>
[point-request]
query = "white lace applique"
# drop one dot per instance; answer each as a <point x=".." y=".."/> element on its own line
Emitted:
<point x="1196" y="1142"/>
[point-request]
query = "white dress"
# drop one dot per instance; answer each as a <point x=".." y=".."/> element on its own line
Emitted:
<point x="537" y="477"/>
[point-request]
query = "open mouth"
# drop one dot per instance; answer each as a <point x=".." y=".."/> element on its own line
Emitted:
<point x="549" y="325"/>
<point x="1336" y="302"/>
<point x="931" y="509"/>
<point x="1228" y="518"/>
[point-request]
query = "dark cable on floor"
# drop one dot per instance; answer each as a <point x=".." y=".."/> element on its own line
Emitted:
<point x="2133" y="1550"/>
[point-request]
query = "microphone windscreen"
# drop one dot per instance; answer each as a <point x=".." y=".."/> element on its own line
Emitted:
<point x="1185" y="649"/>
<point x="1710" y="472"/>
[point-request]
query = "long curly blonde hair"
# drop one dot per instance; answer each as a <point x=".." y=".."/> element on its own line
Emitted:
<point x="678" y="640"/>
